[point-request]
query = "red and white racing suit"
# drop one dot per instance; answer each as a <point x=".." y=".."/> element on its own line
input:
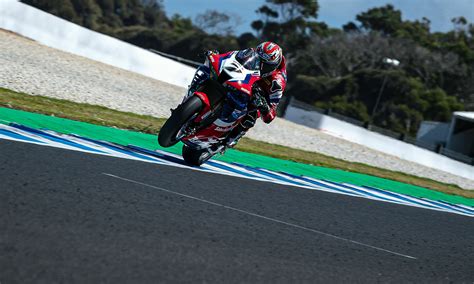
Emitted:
<point x="272" y="85"/>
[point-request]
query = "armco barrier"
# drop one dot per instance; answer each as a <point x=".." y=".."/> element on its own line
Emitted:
<point x="376" y="141"/>
<point x="66" y="36"/>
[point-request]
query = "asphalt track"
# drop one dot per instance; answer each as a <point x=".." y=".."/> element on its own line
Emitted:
<point x="76" y="217"/>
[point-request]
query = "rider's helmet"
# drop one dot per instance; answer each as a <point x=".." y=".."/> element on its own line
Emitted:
<point x="270" y="56"/>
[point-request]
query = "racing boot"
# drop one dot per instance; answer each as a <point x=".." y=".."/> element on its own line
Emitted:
<point x="234" y="137"/>
<point x="239" y="131"/>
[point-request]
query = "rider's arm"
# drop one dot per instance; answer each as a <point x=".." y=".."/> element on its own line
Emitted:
<point x="275" y="93"/>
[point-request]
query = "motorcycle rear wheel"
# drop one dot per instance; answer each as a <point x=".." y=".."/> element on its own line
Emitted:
<point x="169" y="132"/>
<point x="195" y="157"/>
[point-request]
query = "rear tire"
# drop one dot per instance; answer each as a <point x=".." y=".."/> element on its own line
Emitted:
<point x="194" y="157"/>
<point x="181" y="115"/>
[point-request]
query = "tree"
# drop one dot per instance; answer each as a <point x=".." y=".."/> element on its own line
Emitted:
<point x="384" y="19"/>
<point x="215" y="22"/>
<point x="287" y="22"/>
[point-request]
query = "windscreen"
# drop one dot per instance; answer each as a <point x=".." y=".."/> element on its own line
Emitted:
<point x="249" y="59"/>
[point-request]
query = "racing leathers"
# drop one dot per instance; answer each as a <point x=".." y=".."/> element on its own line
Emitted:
<point x="270" y="89"/>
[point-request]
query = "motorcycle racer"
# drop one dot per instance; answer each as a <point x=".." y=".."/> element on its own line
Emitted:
<point x="269" y="90"/>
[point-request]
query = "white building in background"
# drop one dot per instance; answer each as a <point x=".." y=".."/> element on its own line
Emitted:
<point x="457" y="136"/>
<point x="433" y="132"/>
<point x="461" y="133"/>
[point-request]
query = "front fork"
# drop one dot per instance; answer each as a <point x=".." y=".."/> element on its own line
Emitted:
<point x="202" y="74"/>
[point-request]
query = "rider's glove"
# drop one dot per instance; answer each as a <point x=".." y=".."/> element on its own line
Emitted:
<point x="208" y="53"/>
<point x="260" y="101"/>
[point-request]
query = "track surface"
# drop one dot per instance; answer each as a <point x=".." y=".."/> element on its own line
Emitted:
<point x="64" y="220"/>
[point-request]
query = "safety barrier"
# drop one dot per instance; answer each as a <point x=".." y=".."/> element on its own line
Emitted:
<point x="303" y="114"/>
<point x="66" y="36"/>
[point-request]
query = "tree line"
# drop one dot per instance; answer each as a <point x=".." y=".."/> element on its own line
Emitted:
<point x="337" y="69"/>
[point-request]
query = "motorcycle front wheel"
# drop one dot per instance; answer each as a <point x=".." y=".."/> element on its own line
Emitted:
<point x="168" y="135"/>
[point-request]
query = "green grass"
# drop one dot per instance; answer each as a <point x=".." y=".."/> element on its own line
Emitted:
<point x="81" y="112"/>
<point x="148" y="124"/>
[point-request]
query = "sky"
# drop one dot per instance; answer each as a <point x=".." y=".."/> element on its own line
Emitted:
<point x="334" y="12"/>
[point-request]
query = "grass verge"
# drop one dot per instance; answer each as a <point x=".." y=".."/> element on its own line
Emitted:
<point x="148" y="124"/>
<point x="81" y="112"/>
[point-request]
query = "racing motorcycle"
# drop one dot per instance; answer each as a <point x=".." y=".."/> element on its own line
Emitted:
<point x="196" y="121"/>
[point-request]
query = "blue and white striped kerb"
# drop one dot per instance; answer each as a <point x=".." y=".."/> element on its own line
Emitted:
<point x="21" y="133"/>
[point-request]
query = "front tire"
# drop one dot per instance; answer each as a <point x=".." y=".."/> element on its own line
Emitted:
<point x="168" y="133"/>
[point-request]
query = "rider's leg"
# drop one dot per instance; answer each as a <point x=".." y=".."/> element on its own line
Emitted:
<point x="234" y="108"/>
<point x="247" y="122"/>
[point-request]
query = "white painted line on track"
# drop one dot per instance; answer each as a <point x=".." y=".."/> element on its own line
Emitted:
<point x="261" y="216"/>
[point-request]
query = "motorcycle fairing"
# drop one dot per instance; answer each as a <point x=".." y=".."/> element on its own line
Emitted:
<point x="242" y="79"/>
<point x="229" y="78"/>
